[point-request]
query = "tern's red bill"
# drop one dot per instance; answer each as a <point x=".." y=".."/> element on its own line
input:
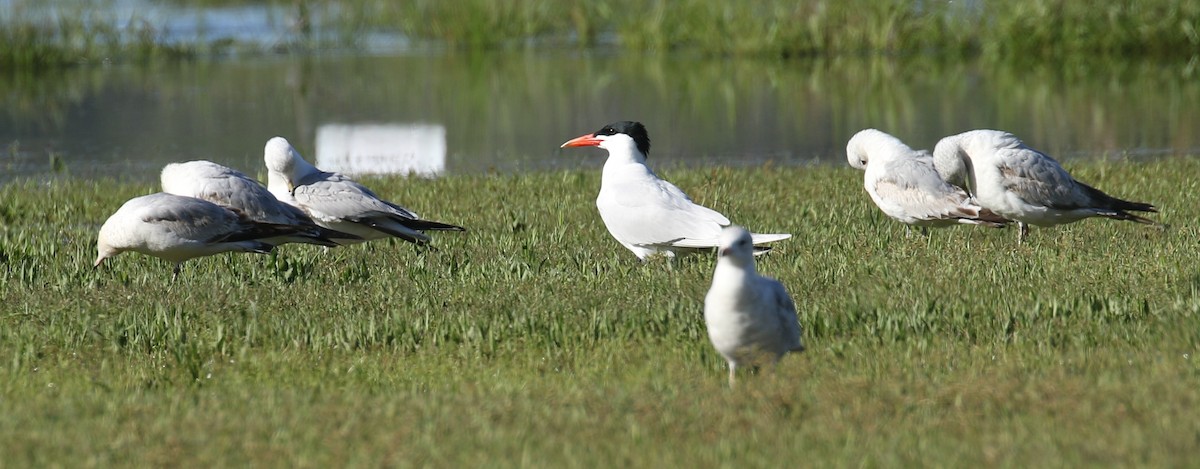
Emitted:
<point x="588" y="140"/>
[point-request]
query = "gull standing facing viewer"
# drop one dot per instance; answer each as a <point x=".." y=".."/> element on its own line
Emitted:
<point x="751" y="319"/>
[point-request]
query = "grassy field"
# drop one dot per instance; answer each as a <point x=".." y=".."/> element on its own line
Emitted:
<point x="535" y="340"/>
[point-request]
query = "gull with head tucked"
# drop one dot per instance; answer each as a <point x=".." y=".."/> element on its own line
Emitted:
<point x="177" y="228"/>
<point x="230" y="188"/>
<point x="906" y="187"/>
<point x="339" y="203"/>
<point x="751" y="319"/>
<point x="1024" y="184"/>
<point x="644" y="213"/>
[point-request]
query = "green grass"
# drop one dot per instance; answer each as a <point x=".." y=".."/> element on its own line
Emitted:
<point x="535" y="340"/>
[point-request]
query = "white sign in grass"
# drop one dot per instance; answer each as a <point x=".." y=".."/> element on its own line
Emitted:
<point x="417" y="149"/>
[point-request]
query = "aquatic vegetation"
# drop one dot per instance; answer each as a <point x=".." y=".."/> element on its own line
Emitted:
<point x="74" y="40"/>
<point x="1058" y="28"/>
<point x="783" y="28"/>
<point x="485" y="24"/>
<point x="1013" y="30"/>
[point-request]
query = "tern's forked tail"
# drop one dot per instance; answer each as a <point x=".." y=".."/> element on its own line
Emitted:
<point x="759" y="238"/>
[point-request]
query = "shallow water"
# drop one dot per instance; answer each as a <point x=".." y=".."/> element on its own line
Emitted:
<point x="453" y="113"/>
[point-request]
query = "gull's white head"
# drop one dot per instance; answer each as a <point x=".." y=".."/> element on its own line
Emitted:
<point x="280" y="156"/>
<point x="871" y="144"/>
<point x="975" y="144"/>
<point x="187" y="178"/>
<point x="951" y="160"/>
<point x="108" y="241"/>
<point x="174" y="179"/>
<point x="736" y="245"/>
<point x="624" y="138"/>
<point x="285" y="167"/>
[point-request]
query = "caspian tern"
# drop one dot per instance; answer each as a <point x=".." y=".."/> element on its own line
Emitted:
<point x="1024" y="184"/>
<point x="751" y="319"/>
<point x="646" y="214"/>
<point x="905" y="186"/>
<point x="338" y="202"/>
<point x="177" y="228"/>
<point x="230" y="188"/>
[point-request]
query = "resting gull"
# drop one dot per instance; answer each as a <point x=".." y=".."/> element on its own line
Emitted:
<point x="230" y="188"/>
<point x="178" y="228"/>
<point x="1024" y="184"/>
<point x="905" y="186"/>
<point x="338" y="202"/>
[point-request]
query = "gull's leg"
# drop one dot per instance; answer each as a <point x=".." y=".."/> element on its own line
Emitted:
<point x="175" y="271"/>
<point x="731" y="380"/>
<point x="1023" y="232"/>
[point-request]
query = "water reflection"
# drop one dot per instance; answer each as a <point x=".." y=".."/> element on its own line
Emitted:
<point x="417" y="149"/>
<point x="509" y="111"/>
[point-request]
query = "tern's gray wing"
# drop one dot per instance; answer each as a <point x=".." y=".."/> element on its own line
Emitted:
<point x="661" y="213"/>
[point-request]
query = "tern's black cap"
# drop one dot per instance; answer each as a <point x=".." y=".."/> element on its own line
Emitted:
<point x="634" y="130"/>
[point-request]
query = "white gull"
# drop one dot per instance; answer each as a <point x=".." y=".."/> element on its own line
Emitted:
<point x="177" y="228"/>
<point x="906" y="187"/>
<point x="1023" y="184"/>
<point x="751" y="319"/>
<point x="230" y="188"/>
<point x="338" y="202"/>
